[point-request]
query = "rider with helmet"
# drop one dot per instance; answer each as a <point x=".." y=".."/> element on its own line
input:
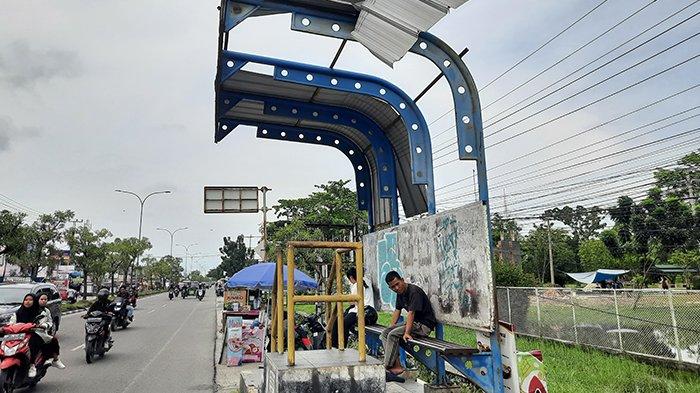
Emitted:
<point x="104" y="305"/>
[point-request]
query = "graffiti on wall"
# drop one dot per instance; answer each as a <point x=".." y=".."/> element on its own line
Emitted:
<point x="447" y="255"/>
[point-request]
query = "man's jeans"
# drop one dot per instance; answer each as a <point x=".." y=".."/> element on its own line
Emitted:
<point x="391" y="336"/>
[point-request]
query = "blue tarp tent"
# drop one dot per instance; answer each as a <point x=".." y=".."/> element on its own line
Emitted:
<point x="599" y="275"/>
<point x="262" y="276"/>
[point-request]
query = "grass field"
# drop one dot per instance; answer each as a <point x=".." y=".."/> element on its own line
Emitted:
<point x="575" y="370"/>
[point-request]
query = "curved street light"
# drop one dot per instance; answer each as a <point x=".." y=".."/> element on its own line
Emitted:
<point x="142" y="201"/>
<point x="187" y="253"/>
<point x="172" y="235"/>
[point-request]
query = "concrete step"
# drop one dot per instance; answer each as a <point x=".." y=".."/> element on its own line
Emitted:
<point x="407" y="387"/>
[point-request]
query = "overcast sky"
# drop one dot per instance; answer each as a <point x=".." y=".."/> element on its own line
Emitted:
<point x="102" y="95"/>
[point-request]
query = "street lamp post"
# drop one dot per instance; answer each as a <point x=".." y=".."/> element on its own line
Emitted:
<point x="187" y="253"/>
<point x="142" y="201"/>
<point x="172" y="235"/>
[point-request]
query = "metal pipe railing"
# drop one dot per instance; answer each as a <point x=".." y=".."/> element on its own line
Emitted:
<point x="338" y="298"/>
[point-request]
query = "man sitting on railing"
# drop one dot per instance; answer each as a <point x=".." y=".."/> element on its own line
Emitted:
<point x="419" y="321"/>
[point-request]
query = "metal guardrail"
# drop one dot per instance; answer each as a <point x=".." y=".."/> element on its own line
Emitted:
<point x="338" y="298"/>
<point x="651" y="323"/>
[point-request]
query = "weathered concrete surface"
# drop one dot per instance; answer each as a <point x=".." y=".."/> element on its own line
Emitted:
<point x="448" y="255"/>
<point x="324" y="371"/>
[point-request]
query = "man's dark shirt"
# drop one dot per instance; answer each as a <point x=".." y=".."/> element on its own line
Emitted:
<point x="104" y="306"/>
<point x="414" y="299"/>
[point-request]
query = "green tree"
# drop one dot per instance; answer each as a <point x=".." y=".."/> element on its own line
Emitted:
<point x="594" y="255"/>
<point x="536" y="253"/>
<point x="88" y="251"/>
<point x="12" y="229"/>
<point x="682" y="181"/>
<point x="41" y="239"/>
<point x="583" y="222"/>
<point x="511" y="275"/>
<point x="196" y="275"/>
<point x="121" y="253"/>
<point x="503" y="228"/>
<point x="235" y="255"/>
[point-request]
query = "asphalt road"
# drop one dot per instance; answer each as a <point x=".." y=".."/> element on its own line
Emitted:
<point x="168" y="348"/>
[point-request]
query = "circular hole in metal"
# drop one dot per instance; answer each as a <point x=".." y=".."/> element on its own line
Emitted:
<point x="305" y="22"/>
<point x="446" y="63"/>
<point x="461" y="90"/>
<point x="419" y="174"/>
<point x="315" y="114"/>
<point x="362" y="202"/>
<point x="423" y="45"/>
<point x="335" y="27"/>
<point x="386" y="188"/>
<point x="414" y="127"/>
<point x="295" y="111"/>
<point x="359" y="167"/>
<point x="273" y="108"/>
<point x="230" y="63"/>
<point x="353" y="121"/>
<point x="358" y="85"/>
<point x="362" y="185"/>
<point x="318" y="138"/>
<point x="382" y="91"/>
<point x="419" y="150"/>
<point x="264" y="132"/>
<point x="351" y="152"/>
<point x="336" y="141"/>
<point x="227" y="102"/>
<point x="309" y="77"/>
<point x="224" y="127"/>
<point x="283" y="134"/>
<point x="402" y="105"/>
<point x="385" y="168"/>
<point x="336" y="117"/>
<point x="284" y="72"/>
<point x="465" y="119"/>
<point x="468" y="148"/>
<point x="301" y="136"/>
<point x="334" y="81"/>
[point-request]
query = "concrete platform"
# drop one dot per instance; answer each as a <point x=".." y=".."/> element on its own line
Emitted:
<point x="324" y="371"/>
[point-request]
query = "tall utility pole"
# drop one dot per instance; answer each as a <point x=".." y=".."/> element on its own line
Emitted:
<point x="551" y="257"/>
<point x="142" y="201"/>
<point x="172" y="235"/>
<point x="264" y="190"/>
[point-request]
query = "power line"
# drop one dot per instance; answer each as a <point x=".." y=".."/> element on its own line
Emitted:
<point x="613" y="27"/>
<point x="593" y="61"/>
<point x="545" y="44"/>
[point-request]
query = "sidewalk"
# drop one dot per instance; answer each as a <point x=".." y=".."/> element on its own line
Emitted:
<point x="227" y="379"/>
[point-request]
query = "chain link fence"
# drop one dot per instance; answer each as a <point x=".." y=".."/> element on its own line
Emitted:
<point x="661" y="324"/>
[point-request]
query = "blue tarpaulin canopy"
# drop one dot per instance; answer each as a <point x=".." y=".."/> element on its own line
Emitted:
<point x="262" y="276"/>
<point x="599" y="275"/>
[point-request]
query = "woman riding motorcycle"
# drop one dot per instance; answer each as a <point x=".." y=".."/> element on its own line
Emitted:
<point x="27" y="313"/>
<point x="45" y="321"/>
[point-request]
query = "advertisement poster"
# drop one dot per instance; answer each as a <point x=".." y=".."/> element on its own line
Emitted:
<point x="234" y="341"/>
<point x="253" y="341"/>
<point x="235" y="299"/>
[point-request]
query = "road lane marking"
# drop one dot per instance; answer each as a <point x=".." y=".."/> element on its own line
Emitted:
<point x="164" y="306"/>
<point x="151" y="311"/>
<point x="78" y="347"/>
<point x="167" y="343"/>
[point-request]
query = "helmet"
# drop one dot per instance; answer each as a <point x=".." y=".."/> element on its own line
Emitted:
<point x="103" y="294"/>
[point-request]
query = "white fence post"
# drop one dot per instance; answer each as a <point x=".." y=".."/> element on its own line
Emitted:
<point x="573" y="313"/>
<point x="510" y="316"/>
<point x="675" y="325"/>
<point x="539" y="317"/>
<point x="617" y="315"/>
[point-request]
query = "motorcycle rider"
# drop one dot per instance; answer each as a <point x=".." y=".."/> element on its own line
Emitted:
<point x="45" y="321"/>
<point x="104" y="305"/>
<point x="123" y="293"/>
<point x="27" y="313"/>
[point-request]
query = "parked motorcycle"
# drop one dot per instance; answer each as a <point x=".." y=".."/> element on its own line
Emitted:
<point x="14" y="358"/>
<point x="310" y="332"/>
<point x="200" y="294"/>
<point x="97" y="338"/>
<point x="121" y="314"/>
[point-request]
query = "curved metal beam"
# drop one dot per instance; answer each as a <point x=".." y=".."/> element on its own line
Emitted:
<point x="322" y="77"/>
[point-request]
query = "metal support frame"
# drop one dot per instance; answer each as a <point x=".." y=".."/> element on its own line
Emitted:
<point x="469" y="131"/>
<point x="379" y="143"/>
<point x="320" y="137"/>
<point x="357" y="298"/>
<point x="351" y="82"/>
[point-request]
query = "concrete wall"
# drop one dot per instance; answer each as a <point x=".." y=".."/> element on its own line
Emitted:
<point x="446" y="254"/>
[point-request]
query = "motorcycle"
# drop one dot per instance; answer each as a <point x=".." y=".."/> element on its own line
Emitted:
<point x="96" y="332"/>
<point x="200" y="294"/>
<point x="183" y="292"/>
<point x="14" y="358"/>
<point x="220" y="291"/>
<point x="121" y="314"/>
<point x="171" y="294"/>
<point x="309" y="332"/>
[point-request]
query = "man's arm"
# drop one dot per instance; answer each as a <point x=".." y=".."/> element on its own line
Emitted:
<point x="395" y="317"/>
<point x="409" y="325"/>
